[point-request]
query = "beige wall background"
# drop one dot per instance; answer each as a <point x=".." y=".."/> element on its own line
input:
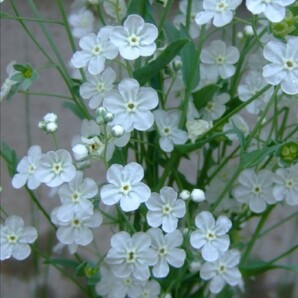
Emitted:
<point x="17" y="278"/>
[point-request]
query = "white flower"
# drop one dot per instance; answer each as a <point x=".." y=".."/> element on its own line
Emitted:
<point x="95" y="50"/>
<point x="215" y="108"/>
<point x="253" y="83"/>
<point x="219" y="59"/>
<point x="184" y="194"/>
<point x="136" y="38"/>
<point x="75" y="197"/>
<point x="238" y="121"/>
<point x="55" y="167"/>
<point x="26" y="169"/>
<point x="8" y="83"/>
<point x="221" y="11"/>
<point x="222" y="271"/>
<point x="166" y="247"/>
<point x="195" y="128"/>
<point x="283" y="68"/>
<point x="167" y="123"/>
<point x="210" y="235"/>
<point x="131" y="255"/>
<point x="151" y="289"/>
<point x="111" y="286"/>
<point x="196" y="6"/>
<point x="49" y="123"/>
<point x="165" y="209"/>
<point x="274" y="10"/>
<point x="82" y="22"/>
<point x="14" y="238"/>
<point x="125" y="186"/>
<point x="115" y="8"/>
<point x="131" y="105"/>
<point x="76" y="230"/>
<point x="255" y="189"/>
<point x="97" y="87"/>
<point x="286" y="185"/>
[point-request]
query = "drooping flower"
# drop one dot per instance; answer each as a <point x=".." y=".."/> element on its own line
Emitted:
<point x="95" y="50"/>
<point x="135" y="38"/>
<point x="26" y="169"/>
<point x="255" y="189"/>
<point x="15" y="238"/>
<point x="222" y="271"/>
<point x="274" y="10"/>
<point x="165" y="209"/>
<point x="221" y="11"/>
<point x="55" y="167"/>
<point x="283" y="68"/>
<point x="166" y="247"/>
<point x="131" y="255"/>
<point x="219" y="60"/>
<point x="125" y="186"/>
<point x="97" y="87"/>
<point x="211" y="236"/>
<point x="167" y="123"/>
<point x="131" y="105"/>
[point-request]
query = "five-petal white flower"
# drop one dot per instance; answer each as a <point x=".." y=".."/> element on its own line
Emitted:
<point x="95" y="50"/>
<point x="125" y="186"/>
<point x="136" y="38"/>
<point x="14" y="238"/>
<point x="131" y="105"/>
<point x="165" y="209"/>
<point x="211" y="236"/>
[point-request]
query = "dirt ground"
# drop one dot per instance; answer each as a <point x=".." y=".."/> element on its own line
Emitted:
<point x="20" y="277"/>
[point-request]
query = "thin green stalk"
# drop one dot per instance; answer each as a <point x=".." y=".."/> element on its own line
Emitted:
<point x="188" y="15"/>
<point x="164" y="15"/>
<point x="289" y="251"/>
<point x="255" y="236"/>
<point x="273" y="227"/>
<point x="35" y="20"/>
<point x="45" y="94"/>
<point x="39" y="206"/>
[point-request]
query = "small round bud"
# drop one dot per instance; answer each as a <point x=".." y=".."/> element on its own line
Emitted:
<point x="248" y="30"/>
<point x="117" y="131"/>
<point x="80" y="152"/>
<point x="50" y="117"/>
<point x="42" y="125"/>
<point x="101" y="111"/>
<point x="100" y="120"/>
<point x="197" y="195"/>
<point x="51" y="127"/>
<point x="108" y="117"/>
<point x="184" y="194"/>
<point x="168" y="295"/>
<point x="240" y="35"/>
<point x="195" y="266"/>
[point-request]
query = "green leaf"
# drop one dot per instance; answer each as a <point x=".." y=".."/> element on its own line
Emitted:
<point x="190" y="69"/>
<point x="19" y="67"/>
<point x="136" y="7"/>
<point x="74" y="108"/>
<point x="62" y="262"/>
<point x="172" y="32"/>
<point x="145" y="73"/>
<point x="253" y="158"/>
<point x="204" y="95"/>
<point x="18" y="77"/>
<point x="10" y="157"/>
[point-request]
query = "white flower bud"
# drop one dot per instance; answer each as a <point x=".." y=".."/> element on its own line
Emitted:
<point x="108" y="117"/>
<point x="117" y="131"/>
<point x="42" y="125"/>
<point x="80" y="152"/>
<point x="195" y="266"/>
<point x="51" y="127"/>
<point x="240" y="35"/>
<point x="248" y="30"/>
<point x="101" y="111"/>
<point x="184" y="194"/>
<point x="168" y="295"/>
<point x="50" y="117"/>
<point x="197" y="195"/>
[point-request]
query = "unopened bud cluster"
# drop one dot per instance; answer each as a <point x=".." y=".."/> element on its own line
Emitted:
<point x="49" y="123"/>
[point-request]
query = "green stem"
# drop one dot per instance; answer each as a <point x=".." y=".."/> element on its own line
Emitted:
<point x="289" y="251"/>
<point x="188" y="14"/>
<point x="45" y="94"/>
<point x="164" y="15"/>
<point x="35" y="20"/>
<point x="255" y="236"/>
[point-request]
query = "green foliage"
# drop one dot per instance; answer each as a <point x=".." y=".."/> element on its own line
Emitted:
<point x="204" y="95"/>
<point x="144" y="74"/>
<point x="25" y="75"/>
<point x="10" y="157"/>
